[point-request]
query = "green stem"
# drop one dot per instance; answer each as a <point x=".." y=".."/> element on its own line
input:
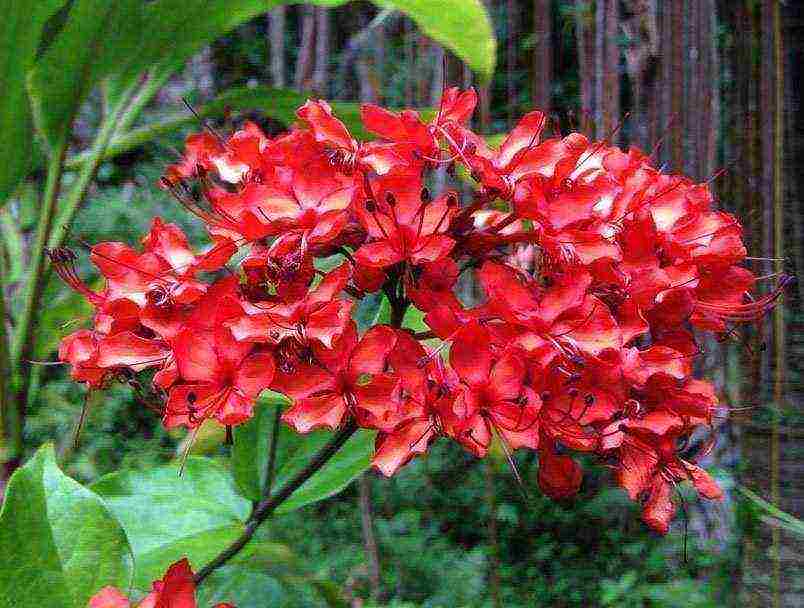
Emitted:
<point x="11" y="439"/>
<point x="88" y="171"/>
<point x="23" y="343"/>
<point x="268" y="505"/>
<point x="271" y="468"/>
<point x="123" y="137"/>
<point x="264" y="508"/>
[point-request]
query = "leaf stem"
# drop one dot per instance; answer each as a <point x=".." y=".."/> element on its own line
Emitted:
<point x="271" y="468"/>
<point x="88" y="171"/>
<point x="267" y="506"/>
<point x="23" y="342"/>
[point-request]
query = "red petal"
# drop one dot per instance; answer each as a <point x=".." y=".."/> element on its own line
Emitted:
<point x="303" y="381"/>
<point x="659" y="510"/>
<point x="398" y="447"/>
<point x="109" y="597"/>
<point x="169" y="242"/>
<point x="637" y="467"/>
<point x="507" y="375"/>
<point x="377" y="407"/>
<point x="470" y="356"/>
<point x="177" y="587"/>
<point x="432" y="248"/>
<point x="559" y="477"/>
<point x="378" y="254"/>
<point x="315" y="412"/>
<point x="328" y="322"/>
<point x="371" y="353"/>
<point x="196" y="356"/>
<point x="255" y="374"/>
<point x="327" y="128"/>
<point x="129" y="350"/>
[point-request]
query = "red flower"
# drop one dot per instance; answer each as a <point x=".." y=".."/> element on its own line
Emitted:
<point x="319" y="316"/>
<point x="406" y="226"/>
<point x="596" y="266"/>
<point x="220" y="377"/>
<point x="494" y="396"/>
<point x="176" y="589"/>
<point x="650" y="468"/>
<point x="348" y="379"/>
<point x="426" y="398"/>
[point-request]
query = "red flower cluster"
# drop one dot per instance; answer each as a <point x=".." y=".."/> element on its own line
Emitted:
<point x="175" y="590"/>
<point x="596" y="268"/>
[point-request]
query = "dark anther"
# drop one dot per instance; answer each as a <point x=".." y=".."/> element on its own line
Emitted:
<point x="546" y="396"/>
<point x="390" y="199"/>
<point x="426" y="196"/>
<point x="192" y="398"/>
<point x="452" y="200"/>
<point x="371" y="206"/>
<point x="573" y="392"/>
<point x="589" y="399"/>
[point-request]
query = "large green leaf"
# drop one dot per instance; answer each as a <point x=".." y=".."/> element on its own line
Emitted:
<point x="98" y="38"/>
<point x="176" y="29"/>
<point x="252" y="448"/>
<point x="349" y="462"/>
<point x="167" y="517"/>
<point x="59" y="544"/>
<point x="462" y="26"/>
<point x="20" y="33"/>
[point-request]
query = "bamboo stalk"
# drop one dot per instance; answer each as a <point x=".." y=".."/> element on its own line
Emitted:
<point x="778" y="313"/>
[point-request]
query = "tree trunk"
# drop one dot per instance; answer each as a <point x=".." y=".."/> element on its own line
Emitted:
<point x="304" y="61"/>
<point x="677" y="84"/>
<point x="600" y="51"/>
<point x="276" y="41"/>
<point x="321" y="71"/>
<point x="584" y="42"/>
<point x="511" y="19"/>
<point x="640" y="28"/>
<point x="542" y="55"/>
<point x="611" y="83"/>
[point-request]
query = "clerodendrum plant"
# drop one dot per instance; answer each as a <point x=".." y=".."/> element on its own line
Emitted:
<point x="597" y="268"/>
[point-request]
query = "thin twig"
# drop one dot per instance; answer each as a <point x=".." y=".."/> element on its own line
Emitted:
<point x="267" y="506"/>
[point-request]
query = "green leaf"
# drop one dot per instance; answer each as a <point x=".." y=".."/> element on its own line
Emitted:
<point x="252" y="447"/>
<point x="98" y="38"/>
<point x="59" y="544"/>
<point x="176" y="29"/>
<point x="350" y="461"/>
<point x="374" y="309"/>
<point x="167" y="517"/>
<point x="266" y="574"/>
<point x="462" y="26"/>
<point x="20" y="32"/>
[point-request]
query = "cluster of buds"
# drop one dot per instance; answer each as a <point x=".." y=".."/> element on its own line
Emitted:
<point x="596" y="269"/>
